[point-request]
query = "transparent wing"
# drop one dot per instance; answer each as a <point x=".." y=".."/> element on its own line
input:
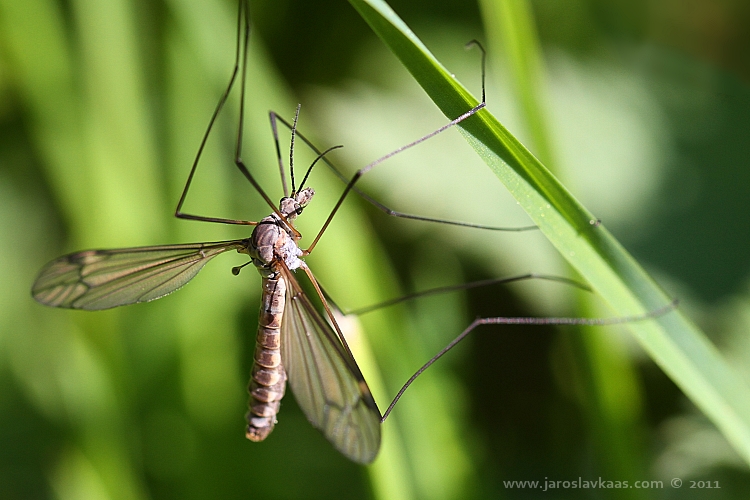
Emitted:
<point x="326" y="380"/>
<point x="100" y="279"/>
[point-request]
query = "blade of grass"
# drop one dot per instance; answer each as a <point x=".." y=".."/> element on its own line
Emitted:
<point x="611" y="393"/>
<point x="672" y="341"/>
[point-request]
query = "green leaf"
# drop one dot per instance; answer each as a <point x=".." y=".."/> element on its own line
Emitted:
<point x="672" y="341"/>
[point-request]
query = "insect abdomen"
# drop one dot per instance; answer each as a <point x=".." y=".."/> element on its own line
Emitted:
<point x="268" y="380"/>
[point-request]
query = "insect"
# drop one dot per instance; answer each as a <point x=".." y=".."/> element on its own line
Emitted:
<point x="295" y="342"/>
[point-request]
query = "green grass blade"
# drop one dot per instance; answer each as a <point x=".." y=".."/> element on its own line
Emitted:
<point x="672" y="341"/>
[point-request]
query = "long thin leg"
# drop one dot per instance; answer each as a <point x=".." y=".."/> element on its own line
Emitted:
<point x="243" y="25"/>
<point x="350" y="184"/>
<point x="241" y="127"/>
<point x="385" y="209"/>
<point x="219" y="106"/>
<point x="526" y="321"/>
<point x="362" y="171"/>
<point x="466" y="286"/>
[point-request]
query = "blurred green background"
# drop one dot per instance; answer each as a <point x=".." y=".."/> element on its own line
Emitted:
<point x="645" y="106"/>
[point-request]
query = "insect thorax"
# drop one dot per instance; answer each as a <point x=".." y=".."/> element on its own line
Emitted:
<point x="273" y="239"/>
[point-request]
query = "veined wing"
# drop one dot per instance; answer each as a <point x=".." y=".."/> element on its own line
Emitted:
<point x="100" y="279"/>
<point x="326" y="380"/>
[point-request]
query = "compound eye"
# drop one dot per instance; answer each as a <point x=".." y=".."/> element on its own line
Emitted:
<point x="288" y="206"/>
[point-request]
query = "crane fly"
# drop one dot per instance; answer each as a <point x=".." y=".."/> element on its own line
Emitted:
<point x="295" y="342"/>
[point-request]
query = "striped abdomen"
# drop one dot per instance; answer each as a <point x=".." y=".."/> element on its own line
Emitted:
<point x="268" y="380"/>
